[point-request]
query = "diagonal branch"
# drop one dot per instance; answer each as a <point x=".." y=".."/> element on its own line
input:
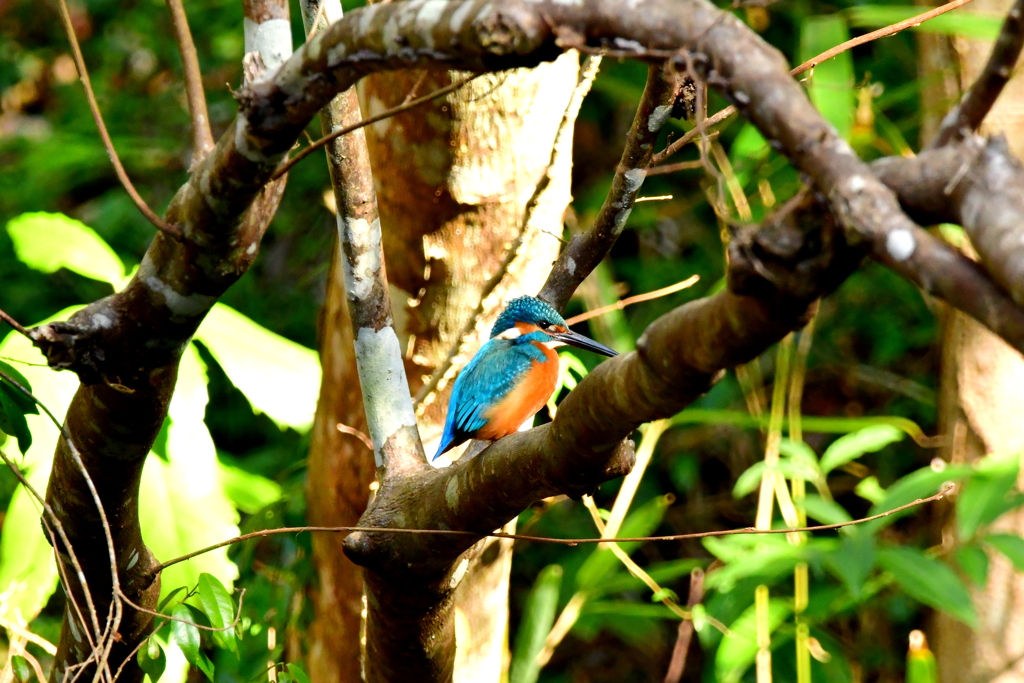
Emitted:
<point x="584" y="252"/>
<point x="202" y="137"/>
<point x="967" y="116"/>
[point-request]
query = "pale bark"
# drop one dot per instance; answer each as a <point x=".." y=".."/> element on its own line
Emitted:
<point x="981" y="396"/>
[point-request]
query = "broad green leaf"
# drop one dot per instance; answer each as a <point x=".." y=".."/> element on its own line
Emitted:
<point x="249" y="492"/>
<point x="28" y="574"/>
<point x="790" y="468"/>
<point x="853" y="560"/>
<point x="929" y="581"/>
<point x="51" y="241"/>
<point x="967" y="24"/>
<point x="974" y="562"/>
<point x="748" y="482"/>
<point x="22" y="670"/>
<point x="825" y="511"/>
<point x="27" y="404"/>
<point x="831" y="83"/>
<point x="916" y="485"/>
<point x="766" y="560"/>
<point x="298" y="673"/>
<point x="798" y="451"/>
<point x="12" y="417"/>
<point x="538" y="617"/>
<point x="739" y="646"/>
<point x="986" y="494"/>
<point x="641" y="522"/>
<point x="152" y="659"/>
<point x="278" y="376"/>
<point x="870" y="490"/>
<point x="1009" y="545"/>
<point x="170" y="596"/>
<point x="852" y="446"/>
<point x="182" y="504"/>
<point x="219" y="608"/>
<point x="185" y="635"/>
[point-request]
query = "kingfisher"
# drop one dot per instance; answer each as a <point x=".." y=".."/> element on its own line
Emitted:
<point x="512" y="376"/>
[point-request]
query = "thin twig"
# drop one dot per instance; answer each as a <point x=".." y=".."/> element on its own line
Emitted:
<point x="545" y="539"/>
<point x="629" y="301"/>
<point x="14" y="323"/>
<point x="238" y="615"/>
<point x="685" y="633"/>
<point x="388" y="113"/>
<point x="892" y="29"/>
<point x="202" y="136"/>
<point x="108" y="144"/>
<point x="352" y="431"/>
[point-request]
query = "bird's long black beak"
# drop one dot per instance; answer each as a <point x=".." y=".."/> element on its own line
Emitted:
<point x="579" y="341"/>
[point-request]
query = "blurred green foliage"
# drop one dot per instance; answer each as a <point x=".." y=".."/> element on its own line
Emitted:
<point x="235" y="442"/>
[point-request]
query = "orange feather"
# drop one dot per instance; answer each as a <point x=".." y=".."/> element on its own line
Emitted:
<point x="529" y="396"/>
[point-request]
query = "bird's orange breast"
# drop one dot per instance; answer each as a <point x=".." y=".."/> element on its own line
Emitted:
<point x="529" y="396"/>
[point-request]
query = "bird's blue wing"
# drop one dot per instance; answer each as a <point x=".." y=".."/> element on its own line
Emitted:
<point x="489" y="377"/>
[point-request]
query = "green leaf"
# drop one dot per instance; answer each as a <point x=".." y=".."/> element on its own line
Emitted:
<point x="186" y="635"/>
<point x="916" y="485"/>
<point x="739" y="646"/>
<point x="278" y="376"/>
<point x="870" y="490"/>
<point x="831" y="84"/>
<point x="974" y="562"/>
<point x="298" y="673"/>
<point x="249" y="492"/>
<point x="51" y="241"/>
<point x="628" y="608"/>
<point x="183" y="504"/>
<point x="26" y="403"/>
<point x="765" y="557"/>
<point x="1009" y="545"/>
<point x="986" y="494"/>
<point x="152" y="659"/>
<point x="852" y="446"/>
<point x="929" y="581"/>
<point x="921" y="667"/>
<point x="664" y="594"/>
<point x="538" y="617"/>
<point x="821" y="425"/>
<point x="641" y="522"/>
<point x="967" y="24"/>
<point x="170" y="596"/>
<point x="748" y="482"/>
<point x="219" y="608"/>
<point x="21" y="668"/>
<point x="853" y="560"/>
<point x="825" y="511"/>
<point x="12" y="417"/>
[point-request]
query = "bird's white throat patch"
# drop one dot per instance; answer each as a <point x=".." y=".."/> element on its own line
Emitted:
<point x="510" y="333"/>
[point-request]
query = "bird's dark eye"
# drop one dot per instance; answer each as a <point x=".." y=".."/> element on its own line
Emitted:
<point x="543" y="324"/>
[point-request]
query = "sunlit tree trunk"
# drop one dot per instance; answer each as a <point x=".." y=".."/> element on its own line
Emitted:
<point x="982" y="393"/>
<point x="460" y="183"/>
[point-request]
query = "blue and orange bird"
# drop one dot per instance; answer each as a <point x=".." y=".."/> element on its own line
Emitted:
<point x="512" y="376"/>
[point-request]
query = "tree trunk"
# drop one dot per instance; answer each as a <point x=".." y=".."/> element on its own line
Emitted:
<point x="982" y="391"/>
<point x="455" y="181"/>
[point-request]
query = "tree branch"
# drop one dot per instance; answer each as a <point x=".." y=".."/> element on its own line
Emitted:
<point x="202" y="137"/>
<point x="584" y="252"/>
<point x="967" y="116"/>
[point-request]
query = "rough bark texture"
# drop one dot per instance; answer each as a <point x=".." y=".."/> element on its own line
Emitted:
<point x="981" y="395"/>
<point x="462" y="172"/>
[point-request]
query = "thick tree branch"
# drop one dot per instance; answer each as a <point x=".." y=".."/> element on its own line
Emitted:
<point x="202" y="137"/>
<point x="584" y="252"/>
<point x="967" y="116"/>
<point x="389" y="413"/>
<point x="979" y="184"/>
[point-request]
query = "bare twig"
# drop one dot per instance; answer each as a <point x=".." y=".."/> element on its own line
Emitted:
<point x="723" y="114"/>
<point x="14" y="323"/>
<point x="629" y="301"/>
<point x="202" y="137"/>
<point x="94" y="107"/>
<point x="394" y="111"/>
<point x="685" y="632"/>
<point x="546" y="539"/>
<point x="976" y="102"/>
<point x="352" y="431"/>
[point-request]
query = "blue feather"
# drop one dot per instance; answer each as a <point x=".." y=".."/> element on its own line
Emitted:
<point x="489" y="377"/>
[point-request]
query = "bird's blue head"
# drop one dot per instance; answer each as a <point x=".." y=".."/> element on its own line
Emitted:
<point x="530" y="318"/>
